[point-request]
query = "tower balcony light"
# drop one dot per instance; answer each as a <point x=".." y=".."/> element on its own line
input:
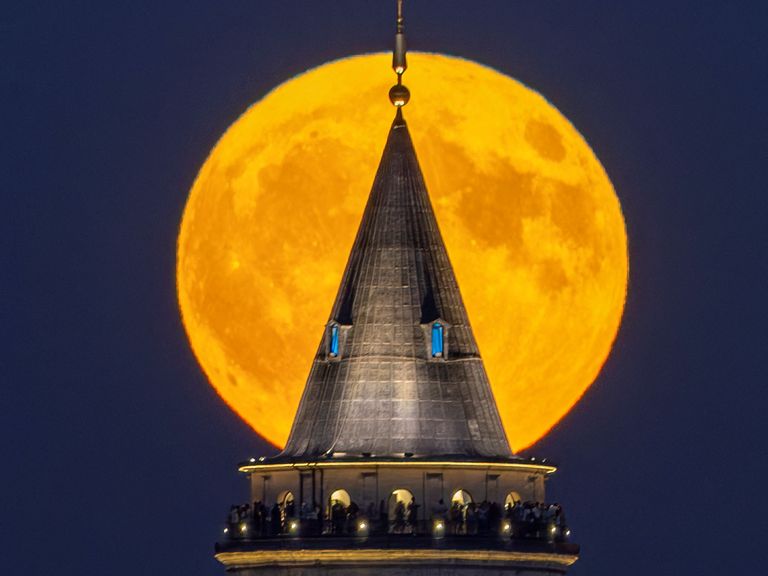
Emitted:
<point x="438" y="528"/>
<point x="552" y="532"/>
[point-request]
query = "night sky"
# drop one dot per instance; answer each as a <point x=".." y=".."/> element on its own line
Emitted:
<point x="117" y="456"/>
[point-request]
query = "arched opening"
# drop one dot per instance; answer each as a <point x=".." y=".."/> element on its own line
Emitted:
<point x="513" y="515"/>
<point x="285" y="498"/>
<point x="403" y="512"/>
<point x="462" y="497"/>
<point x="287" y="506"/>
<point x="341" y="497"/>
<point x="339" y="509"/>
<point x="512" y="500"/>
<point x="461" y="516"/>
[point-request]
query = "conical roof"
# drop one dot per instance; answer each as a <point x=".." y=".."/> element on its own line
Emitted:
<point x="398" y="370"/>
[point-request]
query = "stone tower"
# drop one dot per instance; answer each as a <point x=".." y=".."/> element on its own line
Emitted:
<point x="397" y="462"/>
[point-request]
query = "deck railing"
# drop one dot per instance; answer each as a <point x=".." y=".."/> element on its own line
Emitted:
<point x="544" y="528"/>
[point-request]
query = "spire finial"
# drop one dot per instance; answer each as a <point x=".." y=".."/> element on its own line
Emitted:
<point x="399" y="94"/>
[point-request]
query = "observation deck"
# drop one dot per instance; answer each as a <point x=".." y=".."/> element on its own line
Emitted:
<point x="397" y="551"/>
<point x="551" y="552"/>
<point x="330" y="529"/>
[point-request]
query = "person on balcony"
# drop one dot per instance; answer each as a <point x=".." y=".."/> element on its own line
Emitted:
<point x="383" y="517"/>
<point x="439" y="510"/>
<point x="456" y="519"/>
<point x="275" y="520"/>
<point x="481" y="512"/>
<point x="352" y="511"/>
<point x="256" y="516"/>
<point x="470" y="518"/>
<point x="338" y="518"/>
<point x="315" y="519"/>
<point x="399" y="522"/>
<point x="413" y="516"/>
<point x="494" y="517"/>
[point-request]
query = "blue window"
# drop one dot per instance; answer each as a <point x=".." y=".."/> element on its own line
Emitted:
<point x="333" y="349"/>
<point x="437" y="340"/>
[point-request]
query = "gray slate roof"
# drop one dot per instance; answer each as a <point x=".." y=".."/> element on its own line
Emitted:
<point x="384" y="393"/>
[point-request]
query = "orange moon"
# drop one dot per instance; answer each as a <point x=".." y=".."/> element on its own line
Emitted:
<point x="531" y="221"/>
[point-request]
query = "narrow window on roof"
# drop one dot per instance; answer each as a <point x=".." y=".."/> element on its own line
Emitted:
<point x="333" y="348"/>
<point x="437" y="340"/>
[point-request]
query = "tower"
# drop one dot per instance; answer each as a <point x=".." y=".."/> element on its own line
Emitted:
<point x="397" y="462"/>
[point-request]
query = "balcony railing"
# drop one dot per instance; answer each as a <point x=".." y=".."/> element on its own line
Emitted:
<point x="523" y="524"/>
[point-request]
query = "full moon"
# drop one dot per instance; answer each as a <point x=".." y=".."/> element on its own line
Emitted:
<point x="530" y="219"/>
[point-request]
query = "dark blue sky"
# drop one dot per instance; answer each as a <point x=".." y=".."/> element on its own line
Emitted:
<point x="118" y="458"/>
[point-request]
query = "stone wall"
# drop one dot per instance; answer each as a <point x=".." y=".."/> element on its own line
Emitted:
<point x="374" y="484"/>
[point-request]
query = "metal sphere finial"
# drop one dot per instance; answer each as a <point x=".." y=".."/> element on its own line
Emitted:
<point x="399" y="95"/>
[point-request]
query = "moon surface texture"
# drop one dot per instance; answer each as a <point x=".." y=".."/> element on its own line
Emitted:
<point x="532" y="225"/>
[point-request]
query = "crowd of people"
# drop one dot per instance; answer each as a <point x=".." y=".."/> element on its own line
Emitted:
<point x="261" y="520"/>
<point x="536" y="520"/>
<point x="516" y="519"/>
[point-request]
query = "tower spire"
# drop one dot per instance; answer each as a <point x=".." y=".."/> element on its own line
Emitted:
<point x="398" y="370"/>
<point x="399" y="94"/>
